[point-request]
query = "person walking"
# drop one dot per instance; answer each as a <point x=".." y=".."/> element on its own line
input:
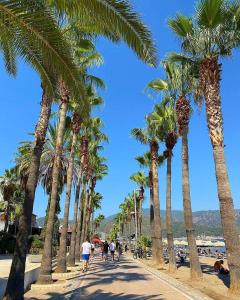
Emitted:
<point x="118" y="249"/>
<point x="112" y="248"/>
<point x="92" y="250"/>
<point x="86" y="250"/>
<point x="105" y="250"/>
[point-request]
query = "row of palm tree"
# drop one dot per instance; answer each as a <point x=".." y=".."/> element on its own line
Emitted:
<point x="53" y="37"/>
<point x="194" y="74"/>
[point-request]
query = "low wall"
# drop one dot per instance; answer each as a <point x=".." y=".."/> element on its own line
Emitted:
<point x="30" y="277"/>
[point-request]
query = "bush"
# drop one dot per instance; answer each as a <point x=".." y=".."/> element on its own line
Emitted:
<point x="35" y="244"/>
<point x="7" y="243"/>
<point x="144" y="242"/>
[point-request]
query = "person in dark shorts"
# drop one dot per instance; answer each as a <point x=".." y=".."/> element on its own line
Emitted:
<point x="105" y="250"/>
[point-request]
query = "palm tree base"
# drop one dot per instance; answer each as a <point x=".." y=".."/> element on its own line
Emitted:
<point x="71" y="261"/>
<point x="235" y="283"/>
<point x="45" y="279"/>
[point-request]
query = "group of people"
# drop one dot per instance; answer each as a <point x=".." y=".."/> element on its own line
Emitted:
<point x="112" y="247"/>
<point x="87" y="250"/>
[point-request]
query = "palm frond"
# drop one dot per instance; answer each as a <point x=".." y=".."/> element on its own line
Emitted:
<point x="181" y="25"/>
<point x="36" y="37"/>
<point x="210" y="13"/>
<point x="115" y="16"/>
<point x="140" y="135"/>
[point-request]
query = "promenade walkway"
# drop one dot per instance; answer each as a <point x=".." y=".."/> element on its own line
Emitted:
<point x="123" y="280"/>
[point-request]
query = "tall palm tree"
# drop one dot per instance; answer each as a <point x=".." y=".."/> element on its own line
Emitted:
<point x="77" y="120"/>
<point x="145" y="162"/>
<point x="142" y="181"/>
<point x="167" y="111"/>
<point x="152" y="136"/>
<point x="178" y="83"/>
<point x="91" y="130"/>
<point x="212" y="35"/>
<point x="124" y="25"/>
<point x="31" y="31"/>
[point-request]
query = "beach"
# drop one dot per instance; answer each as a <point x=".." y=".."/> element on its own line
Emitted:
<point x="213" y="285"/>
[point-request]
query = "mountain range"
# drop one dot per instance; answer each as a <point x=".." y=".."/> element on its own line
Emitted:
<point x="205" y="222"/>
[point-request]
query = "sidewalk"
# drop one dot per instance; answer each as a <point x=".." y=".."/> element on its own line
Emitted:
<point x="113" y="280"/>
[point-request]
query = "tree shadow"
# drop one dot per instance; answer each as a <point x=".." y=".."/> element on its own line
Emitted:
<point x="102" y="295"/>
<point x="210" y="270"/>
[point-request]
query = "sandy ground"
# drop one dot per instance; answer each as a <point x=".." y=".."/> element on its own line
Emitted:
<point x="213" y="285"/>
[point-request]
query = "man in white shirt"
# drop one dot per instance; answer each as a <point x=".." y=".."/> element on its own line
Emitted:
<point x="112" y="248"/>
<point x="86" y="250"/>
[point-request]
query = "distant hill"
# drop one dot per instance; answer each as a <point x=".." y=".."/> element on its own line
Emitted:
<point x="205" y="222"/>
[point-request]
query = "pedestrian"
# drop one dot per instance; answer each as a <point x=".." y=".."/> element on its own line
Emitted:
<point x="105" y="250"/>
<point x="118" y="249"/>
<point x="85" y="250"/>
<point x="112" y="248"/>
<point x="92" y="250"/>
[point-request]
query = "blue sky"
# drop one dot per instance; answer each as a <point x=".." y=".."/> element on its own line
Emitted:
<point x="126" y="104"/>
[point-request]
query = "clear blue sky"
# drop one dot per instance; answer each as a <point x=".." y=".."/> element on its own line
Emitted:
<point x="125" y="108"/>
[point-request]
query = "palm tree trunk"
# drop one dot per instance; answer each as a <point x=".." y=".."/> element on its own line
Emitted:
<point x="196" y="272"/>
<point x="71" y="257"/>
<point x="210" y="77"/>
<point x="46" y="265"/>
<point x="80" y="222"/>
<point x="140" y="217"/>
<point x="152" y="216"/>
<point x="85" y="216"/>
<point x="171" y="252"/>
<point x="15" y="285"/>
<point x="158" y="253"/>
<point x="62" y="254"/>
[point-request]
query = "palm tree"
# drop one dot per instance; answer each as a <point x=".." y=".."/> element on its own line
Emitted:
<point x="124" y="25"/>
<point x="175" y="87"/>
<point x="212" y="35"/>
<point x="31" y="32"/>
<point x="97" y="222"/>
<point x="153" y="135"/>
<point x="77" y="120"/>
<point x="142" y="181"/>
<point x="91" y="130"/>
<point x="9" y="188"/>
<point x="145" y="162"/>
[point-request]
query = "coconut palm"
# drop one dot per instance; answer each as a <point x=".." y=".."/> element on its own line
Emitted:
<point x="212" y="35"/>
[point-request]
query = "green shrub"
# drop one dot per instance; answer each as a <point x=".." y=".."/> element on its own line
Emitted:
<point x="35" y="244"/>
<point x="144" y="242"/>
